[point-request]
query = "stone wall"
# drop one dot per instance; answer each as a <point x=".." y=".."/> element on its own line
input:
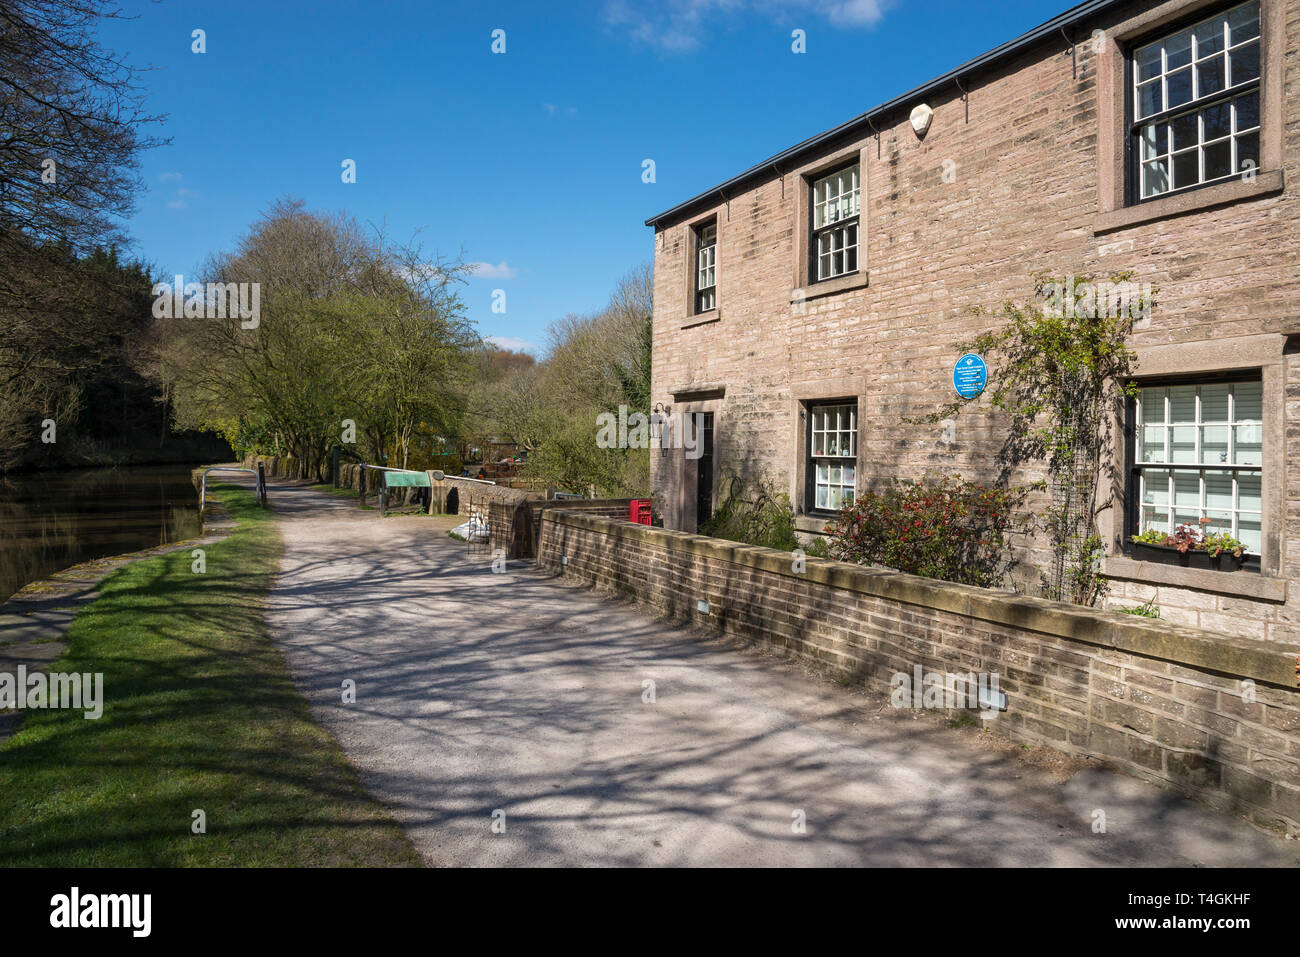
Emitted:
<point x="479" y="493"/>
<point x="1214" y="717"/>
<point x="350" y="477"/>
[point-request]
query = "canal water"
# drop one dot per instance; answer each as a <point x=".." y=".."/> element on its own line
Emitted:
<point x="50" y="520"/>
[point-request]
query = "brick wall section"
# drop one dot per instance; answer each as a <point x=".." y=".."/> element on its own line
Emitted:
<point x="604" y="507"/>
<point x="513" y="522"/>
<point x="479" y="493"/>
<point x="1158" y="701"/>
<point x="286" y="466"/>
<point x="1024" y="196"/>
<point x="518" y="525"/>
<point x="281" y="466"/>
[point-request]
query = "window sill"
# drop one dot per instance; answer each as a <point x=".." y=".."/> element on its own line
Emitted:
<point x="1267" y="183"/>
<point x="829" y="287"/>
<point x="805" y="522"/>
<point x="1239" y="584"/>
<point x="703" y="319"/>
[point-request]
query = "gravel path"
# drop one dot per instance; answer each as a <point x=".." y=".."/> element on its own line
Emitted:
<point x="481" y="692"/>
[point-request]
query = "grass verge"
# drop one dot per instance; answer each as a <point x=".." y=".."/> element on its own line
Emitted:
<point x="200" y="713"/>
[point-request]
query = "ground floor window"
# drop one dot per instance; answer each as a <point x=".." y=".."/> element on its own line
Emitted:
<point x="832" y="455"/>
<point x="1199" y="454"/>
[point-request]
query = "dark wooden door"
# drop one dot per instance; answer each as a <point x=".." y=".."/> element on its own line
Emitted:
<point x="704" y="470"/>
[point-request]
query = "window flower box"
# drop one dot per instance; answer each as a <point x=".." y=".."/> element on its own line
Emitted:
<point x="1225" y="561"/>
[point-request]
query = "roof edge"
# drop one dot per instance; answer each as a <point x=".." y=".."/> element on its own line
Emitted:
<point x="984" y="61"/>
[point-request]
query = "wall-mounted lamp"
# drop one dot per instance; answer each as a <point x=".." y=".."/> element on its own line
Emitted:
<point x="657" y="417"/>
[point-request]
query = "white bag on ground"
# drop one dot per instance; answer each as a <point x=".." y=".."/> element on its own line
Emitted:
<point x="475" y="530"/>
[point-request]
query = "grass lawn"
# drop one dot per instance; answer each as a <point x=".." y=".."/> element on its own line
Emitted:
<point x="199" y="713"/>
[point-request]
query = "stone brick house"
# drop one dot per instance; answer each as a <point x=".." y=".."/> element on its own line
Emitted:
<point x="809" y="306"/>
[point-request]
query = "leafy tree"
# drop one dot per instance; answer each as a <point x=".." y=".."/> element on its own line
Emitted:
<point x="84" y="365"/>
<point x="351" y="329"/>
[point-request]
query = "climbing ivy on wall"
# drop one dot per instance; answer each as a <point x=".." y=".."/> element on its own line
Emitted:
<point x="1060" y="370"/>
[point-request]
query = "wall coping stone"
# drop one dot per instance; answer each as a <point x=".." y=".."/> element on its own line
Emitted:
<point x="1263" y="661"/>
<point x="485" y="489"/>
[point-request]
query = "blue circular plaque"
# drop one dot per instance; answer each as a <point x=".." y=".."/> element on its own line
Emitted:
<point x="969" y="375"/>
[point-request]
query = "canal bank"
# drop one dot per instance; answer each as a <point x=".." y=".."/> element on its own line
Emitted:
<point x="57" y="519"/>
<point x="35" y="619"/>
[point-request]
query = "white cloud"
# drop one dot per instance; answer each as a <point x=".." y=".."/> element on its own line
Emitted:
<point x="171" y="177"/>
<point x="489" y="271"/>
<point x="179" y="197"/>
<point x="680" y="26"/>
<point x="673" y="26"/>
<point x="854" y="12"/>
<point x="511" y="342"/>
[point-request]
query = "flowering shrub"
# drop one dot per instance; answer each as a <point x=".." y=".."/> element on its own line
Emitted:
<point x="941" y="528"/>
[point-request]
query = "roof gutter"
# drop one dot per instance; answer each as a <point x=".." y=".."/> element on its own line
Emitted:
<point x="1051" y="28"/>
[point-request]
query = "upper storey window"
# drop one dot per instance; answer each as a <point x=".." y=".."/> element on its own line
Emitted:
<point x="835" y="223"/>
<point x="706" y="268"/>
<point x="1196" y="103"/>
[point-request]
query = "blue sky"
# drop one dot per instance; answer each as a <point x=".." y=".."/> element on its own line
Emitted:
<point x="529" y="161"/>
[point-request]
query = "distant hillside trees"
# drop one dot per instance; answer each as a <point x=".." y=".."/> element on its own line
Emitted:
<point x="593" y="365"/>
<point x="73" y="357"/>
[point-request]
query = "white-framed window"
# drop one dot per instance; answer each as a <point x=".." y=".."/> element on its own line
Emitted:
<point x="706" y="268"/>
<point x="836" y="202"/>
<point x="1196" y="103"/>
<point x="1199" y="454"/>
<point x="832" y="455"/>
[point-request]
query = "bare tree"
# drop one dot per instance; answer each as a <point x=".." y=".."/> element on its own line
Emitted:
<point x="71" y="120"/>
<point x="71" y="127"/>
